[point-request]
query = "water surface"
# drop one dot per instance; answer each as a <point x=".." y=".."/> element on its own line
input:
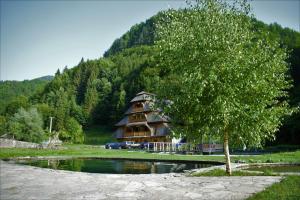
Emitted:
<point x="115" y="166"/>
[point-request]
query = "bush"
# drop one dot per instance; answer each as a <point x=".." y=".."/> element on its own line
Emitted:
<point x="27" y="126"/>
<point x="73" y="132"/>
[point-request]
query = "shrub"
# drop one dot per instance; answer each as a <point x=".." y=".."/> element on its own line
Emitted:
<point x="27" y="125"/>
<point x="73" y="132"/>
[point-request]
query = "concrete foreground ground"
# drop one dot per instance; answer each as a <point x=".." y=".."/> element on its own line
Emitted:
<point x="26" y="182"/>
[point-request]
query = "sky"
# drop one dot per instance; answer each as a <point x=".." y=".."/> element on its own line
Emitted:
<point x="37" y="37"/>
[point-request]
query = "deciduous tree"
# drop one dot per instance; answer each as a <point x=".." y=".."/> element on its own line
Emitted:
<point x="221" y="77"/>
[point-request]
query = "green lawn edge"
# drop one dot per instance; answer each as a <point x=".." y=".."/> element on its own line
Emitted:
<point x="221" y="172"/>
<point x="97" y="151"/>
<point x="287" y="189"/>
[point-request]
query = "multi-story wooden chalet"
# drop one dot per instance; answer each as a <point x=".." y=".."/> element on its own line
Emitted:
<point x="142" y="123"/>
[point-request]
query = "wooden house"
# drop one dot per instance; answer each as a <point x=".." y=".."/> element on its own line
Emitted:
<point x="143" y="123"/>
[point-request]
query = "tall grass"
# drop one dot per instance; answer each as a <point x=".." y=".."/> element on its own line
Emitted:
<point x="98" y="135"/>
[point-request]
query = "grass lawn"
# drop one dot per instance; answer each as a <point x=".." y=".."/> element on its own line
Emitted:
<point x="98" y="135"/>
<point x="288" y="157"/>
<point x="96" y="151"/>
<point x="287" y="189"/>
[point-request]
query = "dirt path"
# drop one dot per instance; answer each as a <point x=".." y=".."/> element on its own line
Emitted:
<point x="26" y="182"/>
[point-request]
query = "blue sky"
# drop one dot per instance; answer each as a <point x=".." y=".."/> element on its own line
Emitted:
<point x="38" y="37"/>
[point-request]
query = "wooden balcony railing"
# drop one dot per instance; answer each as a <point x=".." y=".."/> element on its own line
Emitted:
<point x="131" y="120"/>
<point x="137" y="134"/>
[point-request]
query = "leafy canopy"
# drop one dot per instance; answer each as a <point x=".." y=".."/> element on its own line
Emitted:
<point x="220" y="74"/>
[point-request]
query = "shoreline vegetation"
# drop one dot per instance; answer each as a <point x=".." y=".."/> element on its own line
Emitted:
<point x="99" y="152"/>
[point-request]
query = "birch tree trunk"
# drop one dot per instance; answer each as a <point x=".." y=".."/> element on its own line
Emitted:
<point x="226" y="152"/>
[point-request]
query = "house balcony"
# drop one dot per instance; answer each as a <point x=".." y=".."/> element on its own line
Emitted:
<point x="137" y="134"/>
<point x="132" y="120"/>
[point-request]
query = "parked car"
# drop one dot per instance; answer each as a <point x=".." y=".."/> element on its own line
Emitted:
<point x="144" y="145"/>
<point x="126" y="144"/>
<point x="135" y="146"/>
<point x="113" y="145"/>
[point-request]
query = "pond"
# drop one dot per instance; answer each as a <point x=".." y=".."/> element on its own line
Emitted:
<point x="116" y="166"/>
<point x="276" y="168"/>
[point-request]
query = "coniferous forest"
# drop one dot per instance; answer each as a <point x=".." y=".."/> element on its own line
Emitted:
<point x="97" y="92"/>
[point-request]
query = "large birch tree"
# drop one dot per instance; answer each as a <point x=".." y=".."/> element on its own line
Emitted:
<point x="222" y="76"/>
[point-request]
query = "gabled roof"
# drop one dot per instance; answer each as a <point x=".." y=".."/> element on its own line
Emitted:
<point x="123" y="122"/>
<point x="143" y="92"/>
<point x="151" y="118"/>
<point x="143" y="96"/>
<point x="155" y="117"/>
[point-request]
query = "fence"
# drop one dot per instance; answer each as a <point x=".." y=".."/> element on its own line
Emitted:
<point x="183" y="147"/>
<point x="10" y="143"/>
<point x="172" y="147"/>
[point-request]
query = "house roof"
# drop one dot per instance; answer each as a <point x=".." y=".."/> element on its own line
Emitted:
<point x="143" y="92"/>
<point x="155" y="117"/>
<point x="123" y="121"/>
<point x="138" y="124"/>
<point x="151" y="118"/>
<point x="143" y="96"/>
<point x="146" y="108"/>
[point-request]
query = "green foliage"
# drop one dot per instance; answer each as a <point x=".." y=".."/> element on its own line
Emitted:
<point x="11" y="90"/>
<point x="98" y="135"/>
<point x="17" y="103"/>
<point x="46" y="112"/>
<point x="3" y="125"/>
<point x="139" y="34"/>
<point x="27" y="125"/>
<point x="221" y="75"/>
<point x="73" y="132"/>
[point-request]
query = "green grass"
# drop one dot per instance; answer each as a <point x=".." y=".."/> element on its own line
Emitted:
<point x="286" y="157"/>
<point x="287" y="189"/>
<point x="280" y="168"/>
<point x="98" y="135"/>
<point x="221" y="172"/>
<point x="96" y="151"/>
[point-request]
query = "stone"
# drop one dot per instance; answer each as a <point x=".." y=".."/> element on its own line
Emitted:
<point x="27" y="182"/>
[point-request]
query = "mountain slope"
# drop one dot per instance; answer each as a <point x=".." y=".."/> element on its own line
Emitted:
<point x="9" y="90"/>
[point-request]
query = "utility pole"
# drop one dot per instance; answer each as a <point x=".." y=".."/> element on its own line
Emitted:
<point x="50" y="124"/>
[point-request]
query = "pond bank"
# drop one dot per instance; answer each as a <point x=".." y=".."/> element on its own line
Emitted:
<point x="26" y="182"/>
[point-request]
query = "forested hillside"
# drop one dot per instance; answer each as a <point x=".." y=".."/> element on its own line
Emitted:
<point x="10" y="90"/>
<point x="98" y="91"/>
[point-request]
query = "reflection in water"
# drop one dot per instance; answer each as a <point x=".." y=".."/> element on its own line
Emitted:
<point x="114" y="166"/>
